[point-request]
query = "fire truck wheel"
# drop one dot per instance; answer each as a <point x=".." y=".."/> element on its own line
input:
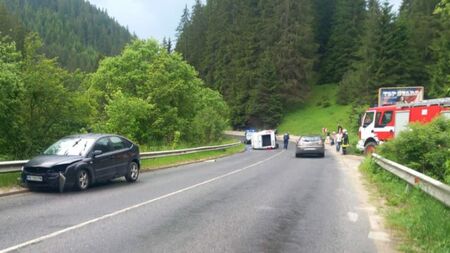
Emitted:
<point x="369" y="148"/>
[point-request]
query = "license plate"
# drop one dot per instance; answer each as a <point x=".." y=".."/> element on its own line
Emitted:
<point x="310" y="149"/>
<point x="34" y="178"/>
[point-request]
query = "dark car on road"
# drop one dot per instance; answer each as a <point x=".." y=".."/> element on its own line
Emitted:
<point x="310" y="145"/>
<point x="82" y="160"/>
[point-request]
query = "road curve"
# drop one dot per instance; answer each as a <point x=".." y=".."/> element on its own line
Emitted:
<point x="256" y="201"/>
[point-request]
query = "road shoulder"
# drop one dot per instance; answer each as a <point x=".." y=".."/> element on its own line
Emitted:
<point x="381" y="236"/>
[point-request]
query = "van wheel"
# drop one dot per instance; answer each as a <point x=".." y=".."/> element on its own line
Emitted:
<point x="370" y="148"/>
<point x="133" y="172"/>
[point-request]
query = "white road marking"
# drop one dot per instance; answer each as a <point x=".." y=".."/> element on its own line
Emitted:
<point x="379" y="236"/>
<point x="54" y="234"/>
<point x="353" y="217"/>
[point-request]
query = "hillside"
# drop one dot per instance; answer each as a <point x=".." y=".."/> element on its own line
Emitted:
<point x="74" y="31"/>
<point x="263" y="56"/>
<point x="320" y="110"/>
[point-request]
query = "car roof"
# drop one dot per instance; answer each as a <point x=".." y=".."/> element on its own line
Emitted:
<point x="312" y="135"/>
<point x="89" y="135"/>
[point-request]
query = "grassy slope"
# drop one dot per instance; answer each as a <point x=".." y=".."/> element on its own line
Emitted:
<point x="422" y="222"/>
<point x="312" y="117"/>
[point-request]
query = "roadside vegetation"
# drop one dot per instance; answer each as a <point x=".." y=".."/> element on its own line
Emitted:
<point x="422" y="220"/>
<point x="164" y="162"/>
<point x="146" y="93"/>
<point x="9" y="179"/>
<point x="425" y="148"/>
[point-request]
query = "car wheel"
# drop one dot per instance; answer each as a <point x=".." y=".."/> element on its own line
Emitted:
<point x="297" y="155"/>
<point x="133" y="172"/>
<point x="322" y="154"/>
<point x="83" y="180"/>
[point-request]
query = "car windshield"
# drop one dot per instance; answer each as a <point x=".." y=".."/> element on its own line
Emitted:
<point x="71" y="146"/>
<point x="311" y="139"/>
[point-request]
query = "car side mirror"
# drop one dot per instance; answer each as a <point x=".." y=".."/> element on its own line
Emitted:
<point x="96" y="153"/>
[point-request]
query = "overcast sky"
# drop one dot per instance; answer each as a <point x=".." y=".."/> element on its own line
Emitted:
<point x="153" y="18"/>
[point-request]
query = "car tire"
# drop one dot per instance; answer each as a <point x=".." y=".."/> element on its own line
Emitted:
<point x="297" y="155"/>
<point x="132" y="172"/>
<point x="322" y="154"/>
<point x="83" y="180"/>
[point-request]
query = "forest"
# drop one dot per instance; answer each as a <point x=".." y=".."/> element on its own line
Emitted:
<point x="264" y="56"/>
<point x="141" y="91"/>
<point x="76" y="32"/>
<point x="66" y="67"/>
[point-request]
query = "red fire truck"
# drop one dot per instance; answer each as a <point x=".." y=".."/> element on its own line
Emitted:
<point x="380" y="124"/>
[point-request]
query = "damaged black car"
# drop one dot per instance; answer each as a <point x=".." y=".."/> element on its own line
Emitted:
<point x="82" y="160"/>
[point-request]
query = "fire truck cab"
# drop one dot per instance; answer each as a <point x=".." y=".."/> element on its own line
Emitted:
<point x="383" y="123"/>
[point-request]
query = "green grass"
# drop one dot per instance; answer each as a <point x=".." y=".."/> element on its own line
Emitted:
<point x="319" y="111"/>
<point x="423" y="221"/>
<point x="9" y="179"/>
<point x="161" y="147"/>
<point x="312" y="116"/>
<point x="162" y="162"/>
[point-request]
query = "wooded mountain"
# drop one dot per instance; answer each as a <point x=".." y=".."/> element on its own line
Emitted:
<point x="264" y="56"/>
<point x="75" y="31"/>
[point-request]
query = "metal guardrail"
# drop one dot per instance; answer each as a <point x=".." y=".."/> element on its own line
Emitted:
<point x="433" y="187"/>
<point x="15" y="166"/>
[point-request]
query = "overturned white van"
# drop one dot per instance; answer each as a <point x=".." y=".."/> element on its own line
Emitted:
<point x="264" y="140"/>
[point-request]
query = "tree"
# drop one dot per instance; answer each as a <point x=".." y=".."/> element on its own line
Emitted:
<point x="421" y="29"/>
<point x="439" y="71"/>
<point x="168" y="90"/>
<point x="11" y="94"/>
<point x="381" y="57"/>
<point x="344" y="41"/>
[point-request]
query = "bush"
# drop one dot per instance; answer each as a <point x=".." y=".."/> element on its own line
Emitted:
<point x="424" y="148"/>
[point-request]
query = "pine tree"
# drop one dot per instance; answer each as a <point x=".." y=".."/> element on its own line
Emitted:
<point x="183" y="33"/>
<point x="344" y="40"/>
<point x="421" y="28"/>
<point x="380" y="57"/>
<point x="439" y="71"/>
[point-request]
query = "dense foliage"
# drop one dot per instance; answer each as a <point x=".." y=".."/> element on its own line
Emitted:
<point x="153" y="96"/>
<point x="425" y="148"/>
<point x="76" y="32"/>
<point x="259" y="54"/>
<point x="36" y="103"/>
<point x="146" y="94"/>
<point x="264" y="56"/>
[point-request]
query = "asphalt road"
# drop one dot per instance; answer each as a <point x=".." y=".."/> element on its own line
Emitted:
<point x="256" y="201"/>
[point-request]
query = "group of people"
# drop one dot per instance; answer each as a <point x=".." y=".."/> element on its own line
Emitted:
<point x="339" y="139"/>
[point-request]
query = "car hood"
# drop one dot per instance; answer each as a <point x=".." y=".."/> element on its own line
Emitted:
<point x="48" y="161"/>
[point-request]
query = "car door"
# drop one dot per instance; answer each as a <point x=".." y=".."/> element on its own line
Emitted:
<point x="121" y="155"/>
<point x="104" y="163"/>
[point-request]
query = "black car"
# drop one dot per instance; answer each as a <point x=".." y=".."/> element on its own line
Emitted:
<point x="82" y="160"/>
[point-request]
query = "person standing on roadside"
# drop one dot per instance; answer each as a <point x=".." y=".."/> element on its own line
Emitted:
<point x="338" y="140"/>
<point x="339" y="128"/>
<point x="286" y="140"/>
<point x="345" y="142"/>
